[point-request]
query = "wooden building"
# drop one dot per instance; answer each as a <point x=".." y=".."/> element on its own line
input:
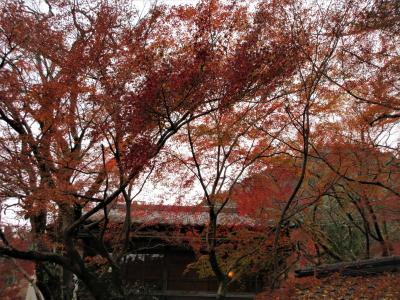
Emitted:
<point x="161" y="253"/>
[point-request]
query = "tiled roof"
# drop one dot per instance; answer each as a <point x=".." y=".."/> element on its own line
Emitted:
<point x="362" y="267"/>
<point x="178" y="215"/>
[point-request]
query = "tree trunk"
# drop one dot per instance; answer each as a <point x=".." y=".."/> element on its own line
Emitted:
<point x="381" y="239"/>
<point x="98" y="289"/>
<point x="43" y="282"/>
<point x="68" y="284"/>
<point x="67" y="217"/>
<point x="221" y="293"/>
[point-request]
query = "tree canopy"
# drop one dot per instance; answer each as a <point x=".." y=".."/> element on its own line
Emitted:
<point x="286" y="109"/>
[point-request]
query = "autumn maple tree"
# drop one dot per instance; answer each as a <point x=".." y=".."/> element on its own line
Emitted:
<point x="288" y="110"/>
<point x="333" y="98"/>
<point x="90" y="94"/>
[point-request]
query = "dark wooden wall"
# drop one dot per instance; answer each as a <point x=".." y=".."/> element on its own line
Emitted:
<point x="165" y="272"/>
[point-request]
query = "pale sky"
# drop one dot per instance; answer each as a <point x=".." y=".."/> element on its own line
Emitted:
<point x="140" y="4"/>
